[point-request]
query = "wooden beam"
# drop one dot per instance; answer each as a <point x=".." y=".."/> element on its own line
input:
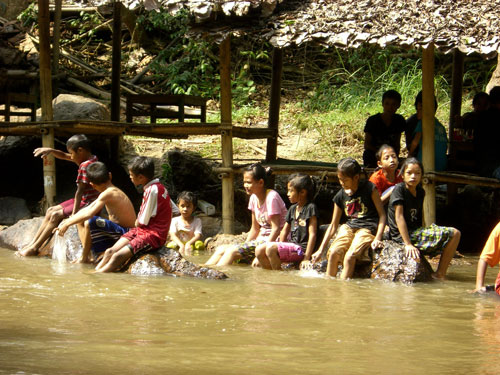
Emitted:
<point x="428" y="143"/>
<point x="116" y="61"/>
<point x="226" y="136"/>
<point x="49" y="166"/>
<point x="274" y="104"/>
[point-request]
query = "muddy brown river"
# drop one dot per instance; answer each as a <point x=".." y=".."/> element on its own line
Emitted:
<point x="63" y="319"/>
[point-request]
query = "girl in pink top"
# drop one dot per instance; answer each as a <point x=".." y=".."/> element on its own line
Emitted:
<point x="268" y="217"/>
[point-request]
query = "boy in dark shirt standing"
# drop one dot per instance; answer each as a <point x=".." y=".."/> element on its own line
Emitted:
<point x="384" y="128"/>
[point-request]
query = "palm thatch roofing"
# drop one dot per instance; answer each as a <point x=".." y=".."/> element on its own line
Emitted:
<point x="470" y="25"/>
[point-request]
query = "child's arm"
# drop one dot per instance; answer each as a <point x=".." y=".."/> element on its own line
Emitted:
<point x="386" y="195"/>
<point x="84" y="214"/>
<point x="196" y="237"/>
<point x="275" y="227"/>
<point x="332" y="228"/>
<point x="377" y="242"/>
<point x="78" y="196"/>
<point x="482" y="266"/>
<point x="174" y="237"/>
<point x="369" y="142"/>
<point x="254" y="230"/>
<point x="414" y="143"/>
<point x="312" y="229"/>
<point x="403" y="230"/>
<point x="44" y="151"/>
<point x="285" y="232"/>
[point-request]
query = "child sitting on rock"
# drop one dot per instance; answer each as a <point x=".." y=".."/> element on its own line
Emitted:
<point x="185" y="230"/>
<point x="100" y="233"/>
<point x="301" y="224"/>
<point x="360" y="201"/>
<point x="405" y="220"/>
<point x="152" y="224"/>
<point x="78" y="147"/>
<point x="387" y="175"/>
<point x="490" y="256"/>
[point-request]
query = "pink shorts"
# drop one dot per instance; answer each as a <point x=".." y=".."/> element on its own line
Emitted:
<point x="290" y="252"/>
<point x="67" y="206"/>
<point x="141" y="241"/>
<point x="497" y="284"/>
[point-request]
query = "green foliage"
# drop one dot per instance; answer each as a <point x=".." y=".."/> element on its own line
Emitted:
<point x="85" y="21"/>
<point x="29" y="16"/>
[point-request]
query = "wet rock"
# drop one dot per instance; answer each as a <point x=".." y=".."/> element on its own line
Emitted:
<point x="20" y="234"/>
<point x="74" y="107"/>
<point x="391" y="263"/>
<point x="226" y="239"/>
<point x="146" y="265"/>
<point x="12" y="210"/>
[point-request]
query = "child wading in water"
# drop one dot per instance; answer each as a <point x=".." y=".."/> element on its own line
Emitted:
<point x="301" y="223"/>
<point x="387" y="176"/>
<point x="360" y="201"/>
<point x="185" y="230"/>
<point x="405" y="220"/>
<point x="268" y="217"/>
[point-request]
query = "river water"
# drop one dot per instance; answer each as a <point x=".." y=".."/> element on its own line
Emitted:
<point x="63" y="319"/>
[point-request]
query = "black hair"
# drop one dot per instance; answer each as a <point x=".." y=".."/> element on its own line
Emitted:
<point x="258" y="172"/>
<point x="419" y="99"/>
<point x="97" y="173"/>
<point x="392" y="94"/>
<point x="409" y="162"/>
<point x="479" y="96"/>
<point x="78" y="140"/>
<point x="495" y="95"/>
<point x="142" y="165"/>
<point x="382" y="149"/>
<point x="301" y="181"/>
<point x="349" y="167"/>
<point x="187" y="196"/>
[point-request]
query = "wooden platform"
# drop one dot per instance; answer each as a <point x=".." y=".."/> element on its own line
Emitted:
<point x="112" y="128"/>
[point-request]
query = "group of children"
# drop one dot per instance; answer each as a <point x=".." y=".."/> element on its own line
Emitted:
<point x="390" y="196"/>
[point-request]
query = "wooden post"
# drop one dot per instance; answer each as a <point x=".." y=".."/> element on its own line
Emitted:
<point x="226" y="136"/>
<point x="49" y="167"/>
<point x="274" y="104"/>
<point x="116" y="61"/>
<point x="428" y="131"/>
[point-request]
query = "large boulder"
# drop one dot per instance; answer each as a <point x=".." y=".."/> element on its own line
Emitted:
<point x="76" y="107"/>
<point x="12" y="210"/>
<point x="391" y="263"/>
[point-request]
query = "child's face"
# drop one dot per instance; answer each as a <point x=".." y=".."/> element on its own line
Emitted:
<point x="412" y="175"/>
<point x="388" y="160"/>
<point x="292" y="193"/>
<point x="390" y="105"/>
<point x="481" y="105"/>
<point x="186" y="208"/>
<point x="251" y="185"/>
<point x="76" y="155"/>
<point x="349" y="184"/>
<point x="137" y="179"/>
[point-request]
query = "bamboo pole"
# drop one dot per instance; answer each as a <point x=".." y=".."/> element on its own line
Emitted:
<point x="49" y="167"/>
<point x="56" y="40"/>
<point x="274" y="105"/>
<point x="226" y="137"/>
<point x="116" y="61"/>
<point x="456" y="89"/>
<point x="428" y="143"/>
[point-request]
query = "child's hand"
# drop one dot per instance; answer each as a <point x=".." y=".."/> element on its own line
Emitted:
<point x="42" y="151"/>
<point x="376" y="244"/>
<point x="480" y="290"/>
<point x="255" y="263"/>
<point x="412" y="251"/>
<point x="61" y="229"/>
<point x="316" y="256"/>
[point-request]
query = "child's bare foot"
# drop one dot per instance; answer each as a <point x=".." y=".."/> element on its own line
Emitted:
<point x="27" y="251"/>
<point x="436" y="276"/>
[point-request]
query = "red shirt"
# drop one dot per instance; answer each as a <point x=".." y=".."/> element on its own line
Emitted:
<point x="381" y="182"/>
<point x="89" y="193"/>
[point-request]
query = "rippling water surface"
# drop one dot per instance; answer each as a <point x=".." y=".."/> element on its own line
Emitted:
<point x="63" y="319"/>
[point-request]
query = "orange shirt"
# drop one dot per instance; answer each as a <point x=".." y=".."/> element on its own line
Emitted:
<point x="381" y="182"/>
<point x="491" y="250"/>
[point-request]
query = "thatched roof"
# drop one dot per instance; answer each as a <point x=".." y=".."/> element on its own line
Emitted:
<point x="469" y="25"/>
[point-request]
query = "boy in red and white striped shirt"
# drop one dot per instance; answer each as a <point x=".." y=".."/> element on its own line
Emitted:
<point x="153" y="221"/>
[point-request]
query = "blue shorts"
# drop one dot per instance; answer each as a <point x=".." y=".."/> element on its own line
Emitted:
<point x="104" y="234"/>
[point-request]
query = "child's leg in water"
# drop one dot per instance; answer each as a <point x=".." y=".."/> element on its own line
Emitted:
<point x="447" y="255"/>
<point x="216" y="256"/>
<point x="348" y="266"/>
<point x="273" y="256"/>
<point x="51" y="220"/>
<point x="260" y="254"/>
<point x="230" y="255"/>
